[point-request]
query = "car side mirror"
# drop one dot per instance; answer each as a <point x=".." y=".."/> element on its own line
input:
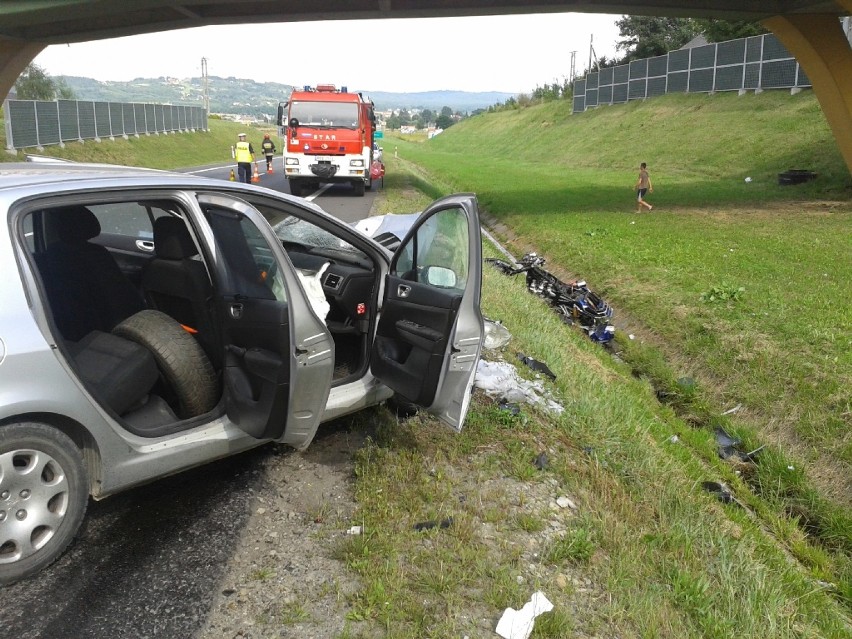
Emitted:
<point x="439" y="276"/>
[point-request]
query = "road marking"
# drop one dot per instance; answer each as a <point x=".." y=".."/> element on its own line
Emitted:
<point x="317" y="193"/>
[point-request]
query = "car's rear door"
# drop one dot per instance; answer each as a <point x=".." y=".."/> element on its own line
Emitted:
<point x="429" y="334"/>
<point x="278" y="355"/>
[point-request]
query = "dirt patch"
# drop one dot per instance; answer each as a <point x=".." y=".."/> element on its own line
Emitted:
<point x="283" y="579"/>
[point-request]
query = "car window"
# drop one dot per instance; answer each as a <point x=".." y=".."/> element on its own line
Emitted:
<point x="438" y="249"/>
<point x="249" y="257"/>
<point x="130" y="219"/>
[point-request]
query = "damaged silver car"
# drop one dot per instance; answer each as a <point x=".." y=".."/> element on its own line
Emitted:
<point x="152" y="322"/>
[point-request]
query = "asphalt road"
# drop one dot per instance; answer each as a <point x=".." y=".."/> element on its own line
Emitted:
<point x="147" y="562"/>
<point x="337" y="199"/>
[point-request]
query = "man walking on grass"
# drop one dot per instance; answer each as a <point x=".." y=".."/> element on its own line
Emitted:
<point x="643" y="186"/>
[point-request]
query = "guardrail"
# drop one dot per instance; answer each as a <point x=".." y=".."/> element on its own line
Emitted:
<point x="39" y="123"/>
<point x="755" y="63"/>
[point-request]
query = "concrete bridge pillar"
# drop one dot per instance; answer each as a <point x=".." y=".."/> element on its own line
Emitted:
<point x="822" y="48"/>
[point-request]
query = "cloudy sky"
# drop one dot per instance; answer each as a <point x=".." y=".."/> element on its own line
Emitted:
<point x="513" y="54"/>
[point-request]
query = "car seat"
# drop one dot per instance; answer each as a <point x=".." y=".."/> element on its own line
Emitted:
<point x="84" y="285"/>
<point x="178" y="285"/>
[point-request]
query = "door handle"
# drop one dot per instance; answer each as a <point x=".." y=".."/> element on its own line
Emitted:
<point x="236" y="310"/>
<point x="145" y="245"/>
<point x="403" y="290"/>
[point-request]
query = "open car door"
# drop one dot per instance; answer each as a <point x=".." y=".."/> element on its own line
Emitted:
<point x="278" y="356"/>
<point x="430" y="329"/>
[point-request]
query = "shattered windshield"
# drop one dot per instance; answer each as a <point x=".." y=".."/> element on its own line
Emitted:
<point x="297" y="231"/>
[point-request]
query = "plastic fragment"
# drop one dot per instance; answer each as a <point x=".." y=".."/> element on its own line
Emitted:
<point x="518" y="624"/>
<point x="429" y="525"/>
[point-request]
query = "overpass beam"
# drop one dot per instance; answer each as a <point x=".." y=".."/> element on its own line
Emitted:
<point x="821" y="47"/>
<point x="14" y="58"/>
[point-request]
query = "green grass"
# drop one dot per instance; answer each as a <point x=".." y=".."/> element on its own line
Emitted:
<point x="744" y="287"/>
<point x="648" y="554"/>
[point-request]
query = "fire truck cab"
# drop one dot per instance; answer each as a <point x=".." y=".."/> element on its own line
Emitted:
<point x="328" y="137"/>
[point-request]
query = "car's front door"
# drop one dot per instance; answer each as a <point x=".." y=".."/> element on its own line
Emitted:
<point x="279" y="357"/>
<point x="429" y="335"/>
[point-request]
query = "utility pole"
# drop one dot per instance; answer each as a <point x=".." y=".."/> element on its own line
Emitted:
<point x="591" y="49"/>
<point x="573" y="66"/>
<point x="205" y="85"/>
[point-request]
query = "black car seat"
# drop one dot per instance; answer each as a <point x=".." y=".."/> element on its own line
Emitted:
<point x="84" y="285"/>
<point x="179" y="285"/>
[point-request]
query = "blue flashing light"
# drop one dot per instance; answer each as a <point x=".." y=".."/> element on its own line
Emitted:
<point x="344" y="90"/>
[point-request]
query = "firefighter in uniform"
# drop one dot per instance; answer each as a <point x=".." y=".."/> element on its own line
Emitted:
<point x="268" y="147"/>
<point x="245" y="156"/>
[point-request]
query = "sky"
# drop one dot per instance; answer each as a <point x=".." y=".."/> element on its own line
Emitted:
<point x="512" y="54"/>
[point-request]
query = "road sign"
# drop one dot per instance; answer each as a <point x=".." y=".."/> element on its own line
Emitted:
<point x="379" y="134"/>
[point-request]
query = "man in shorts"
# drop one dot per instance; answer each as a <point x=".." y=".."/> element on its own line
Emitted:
<point x="643" y="186"/>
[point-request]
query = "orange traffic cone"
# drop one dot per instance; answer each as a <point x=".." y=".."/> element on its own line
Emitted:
<point x="233" y="177"/>
<point x="269" y="169"/>
<point x="256" y="176"/>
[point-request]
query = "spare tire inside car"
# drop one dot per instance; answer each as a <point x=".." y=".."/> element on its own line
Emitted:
<point x="181" y="361"/>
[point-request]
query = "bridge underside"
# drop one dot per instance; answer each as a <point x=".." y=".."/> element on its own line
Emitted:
<point x="810" y="29"/>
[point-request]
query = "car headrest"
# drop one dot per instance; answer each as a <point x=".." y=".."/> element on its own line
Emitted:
<point x="172" y="240"/>
<point x="74" y="224"/>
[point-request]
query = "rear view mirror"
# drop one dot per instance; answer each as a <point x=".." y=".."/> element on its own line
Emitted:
<point x="439" y="276"/>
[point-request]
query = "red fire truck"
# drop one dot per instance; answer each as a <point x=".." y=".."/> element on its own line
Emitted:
<point x="328" y="137"/>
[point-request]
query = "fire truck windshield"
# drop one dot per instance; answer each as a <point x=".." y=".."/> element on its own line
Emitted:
<point x="325" y="114"/>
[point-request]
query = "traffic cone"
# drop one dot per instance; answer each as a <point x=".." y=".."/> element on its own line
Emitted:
<point x="256" y="176"/>
<point x="269" y="169"/>
<point x="233" y="177"/>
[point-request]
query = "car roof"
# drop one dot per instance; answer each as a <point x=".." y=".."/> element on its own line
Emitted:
<point x="21" y="174"/>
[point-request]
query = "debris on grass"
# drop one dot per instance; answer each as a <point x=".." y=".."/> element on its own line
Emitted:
<point x="518" y="624"/>
<point x="496" y="335"/>
<point x="536" y="365"/>
<point x="729" y="447"/>
<point x="429" y="525"/>
<point x="500" y="381"/>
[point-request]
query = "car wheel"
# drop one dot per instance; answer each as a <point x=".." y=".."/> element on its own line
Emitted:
<point x="295" y="187"/>
<point x="43" y="497"/>
<point x="182" y="362"/>
<point x="359" y="187"/>
<point x="402" y="407"/>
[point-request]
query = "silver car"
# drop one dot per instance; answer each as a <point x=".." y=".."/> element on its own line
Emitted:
<point x="151" y="322"/>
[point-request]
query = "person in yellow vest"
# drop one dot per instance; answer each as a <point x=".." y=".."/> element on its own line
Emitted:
<point x="268" y="147"/>
<point x="244" y="154"/>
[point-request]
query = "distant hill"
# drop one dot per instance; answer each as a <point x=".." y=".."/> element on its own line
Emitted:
<point x="259" y="99"/>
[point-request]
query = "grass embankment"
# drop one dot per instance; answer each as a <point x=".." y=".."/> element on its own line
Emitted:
<point x="780" y="348"/>
<point x="646" y="552"/>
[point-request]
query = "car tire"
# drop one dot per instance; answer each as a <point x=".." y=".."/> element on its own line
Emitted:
<point x="401" y="407"/>
<point x="295" y="187"/>
<point x="44" y="491"/>
<point x="182" y="362"/>
<point x="359" y="188"/>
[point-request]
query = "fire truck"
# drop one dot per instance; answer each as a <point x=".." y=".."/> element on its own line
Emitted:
<point x="328" y="137"/>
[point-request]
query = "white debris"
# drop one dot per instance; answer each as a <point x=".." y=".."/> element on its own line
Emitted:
<point x="500" y="380"/>
<point x="733" y="410"/>
<point x="355" y="530"/>
<point x="496" y="335"/>
<point x="518" y="624"/>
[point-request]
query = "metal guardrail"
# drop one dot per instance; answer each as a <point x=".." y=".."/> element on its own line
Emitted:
<point x="39" y="123"/>
<point x="755" y="63"/>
